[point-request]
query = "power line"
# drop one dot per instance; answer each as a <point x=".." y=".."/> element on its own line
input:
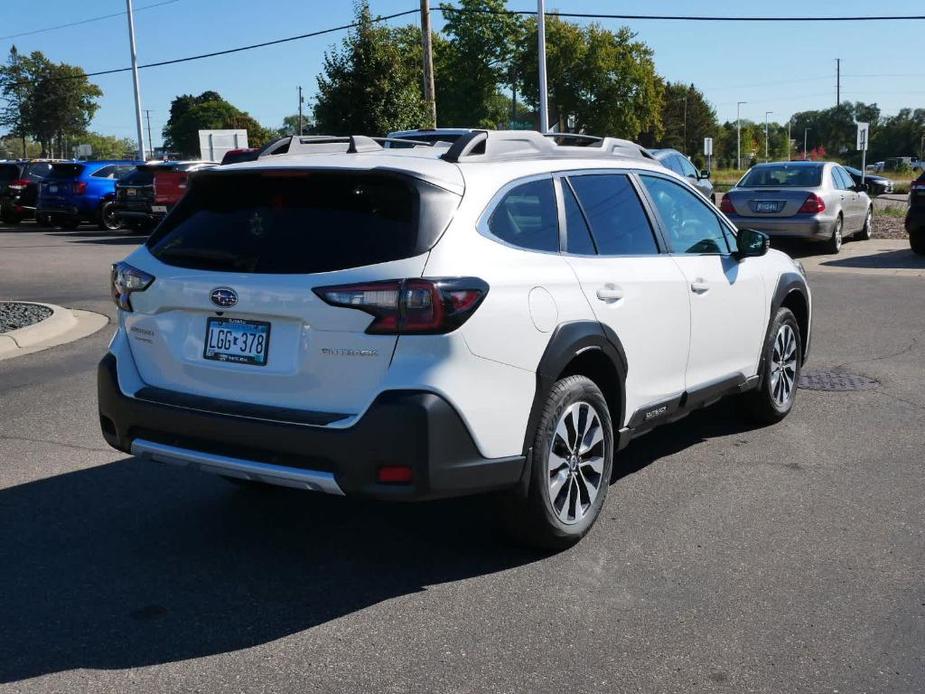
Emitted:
<point x="85" y="21"/>
<point x="696" y="18"/>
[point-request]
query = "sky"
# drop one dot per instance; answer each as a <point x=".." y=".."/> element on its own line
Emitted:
<point x="777" y="67"/>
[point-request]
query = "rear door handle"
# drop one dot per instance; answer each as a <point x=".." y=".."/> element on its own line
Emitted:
<point x="610" y="293"/>
<point x="700" y="286"/>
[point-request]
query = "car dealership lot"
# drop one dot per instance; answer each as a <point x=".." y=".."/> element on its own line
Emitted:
<point x="788" y="558"/>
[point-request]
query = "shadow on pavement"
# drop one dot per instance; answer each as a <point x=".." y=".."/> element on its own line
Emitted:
<point x="133" y="563"/>
<point x="887" y="260"/>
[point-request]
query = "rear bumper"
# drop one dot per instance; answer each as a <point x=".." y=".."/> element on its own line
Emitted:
<point x="410" y="428"/>
<point x="802" y="227"/>
<point x="149" y="218"/>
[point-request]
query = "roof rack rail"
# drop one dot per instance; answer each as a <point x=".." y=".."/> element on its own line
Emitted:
<point x="324" y="144"/>
<point x="505" y="145"/>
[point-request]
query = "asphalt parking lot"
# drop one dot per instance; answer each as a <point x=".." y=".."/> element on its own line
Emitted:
<point x="782" y="559"/>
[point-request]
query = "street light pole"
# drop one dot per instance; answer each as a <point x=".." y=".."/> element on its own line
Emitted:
<point x="429" y="92"/>
<point x="805" y="130"/>
<point x="789" y="140"/>
<point x="541" y="54"/>
<point x="739" y="137"/>
<point x="766" y="114"/>
<point x="131" y="40"/>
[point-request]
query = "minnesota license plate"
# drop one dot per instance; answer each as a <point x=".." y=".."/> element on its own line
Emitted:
<point x="52" y="189"/>
<point x="237" y="340"/>
<point x="767" y="206"/>
<point x="131" y="192"/>
<point x="159" y="208"/>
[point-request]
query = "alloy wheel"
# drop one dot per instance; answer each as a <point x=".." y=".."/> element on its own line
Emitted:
<point x="784" y="365"/>
<point x="576" y="462"/>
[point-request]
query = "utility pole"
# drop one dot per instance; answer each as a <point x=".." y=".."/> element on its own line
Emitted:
<point x="429" y="97"/>
<point x="150" y="140"/>
<point x="131" y="40"/>
<point x="541" y="54"/>
<point x="838" y="81"/>
<point x="685" y="120"/>
<point x="739" y="136"/>
<point x="766" y="138"/>
<point x="789" y="140"/>
<point x="301" y="101"/>
<point x="805" y="130"/>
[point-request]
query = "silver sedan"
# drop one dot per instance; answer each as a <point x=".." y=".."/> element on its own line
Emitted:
<point x="801" y="199"/>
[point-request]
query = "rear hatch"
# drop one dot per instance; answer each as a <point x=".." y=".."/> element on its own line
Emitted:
<point x="258" y="243"/>
<point x="57" y="191"/>
<point x="8" y="173"/>
<point x="135" y="191"/>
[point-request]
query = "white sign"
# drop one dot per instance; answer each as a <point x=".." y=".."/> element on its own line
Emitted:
<point x="84" y="151"/>
<point x="708" y="146"/>
<point x="863" y="133"/>
<point x="214" y="143"/>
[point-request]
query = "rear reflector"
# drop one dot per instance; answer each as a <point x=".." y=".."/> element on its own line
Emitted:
<point x="725" y="205"/>
<point x="411" y="306"/>
<point x="395" y="474"/>
<point x="813" y="204"/>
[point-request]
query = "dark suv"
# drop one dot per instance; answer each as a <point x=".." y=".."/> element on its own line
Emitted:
<point x="915" y="217"/>
<point x="147" y="194"/>
<point x="19" y="188"/>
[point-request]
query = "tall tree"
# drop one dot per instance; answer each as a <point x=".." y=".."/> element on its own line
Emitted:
<point x="605" y="80"/>
<point x="209" y="111"/>
<point x="13" y="92"/>
<point x="368" y="86"/>
<point x="474" y="61"/>
<point x="687" y="118"/>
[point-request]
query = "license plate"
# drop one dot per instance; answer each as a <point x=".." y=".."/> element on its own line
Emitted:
<point x="131" y="192"/>
<point x="159" y="208"/>
<point x="52" y="189"/>
<point x="766" y="206"/>
<point x="237" y="340"/>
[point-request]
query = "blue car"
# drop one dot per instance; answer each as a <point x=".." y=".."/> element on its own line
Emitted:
<point x="81" y="191"/>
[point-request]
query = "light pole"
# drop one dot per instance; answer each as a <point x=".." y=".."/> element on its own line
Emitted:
<point x="789" y="141"/>
<point x="805" y="130"/>
<point x="131" y="40"/>
<point x="739" y="136"/>
<point x="541" y="54"/>
<point x="766" y="114"/>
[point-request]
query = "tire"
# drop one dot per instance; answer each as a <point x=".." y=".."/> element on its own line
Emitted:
<point x="567" y="487"/>
<point x="9" y="217"/>
<point x="917" y="242"/>
<point x="833" y="245"/>
<point x="773" y="400"/>
<point x="867" y="231"/>
<point x="106" y="220"/>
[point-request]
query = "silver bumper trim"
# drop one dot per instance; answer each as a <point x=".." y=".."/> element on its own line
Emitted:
<point x="313" y="480"/>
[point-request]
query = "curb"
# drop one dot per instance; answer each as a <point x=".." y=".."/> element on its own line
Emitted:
<point x="62" y="326"/>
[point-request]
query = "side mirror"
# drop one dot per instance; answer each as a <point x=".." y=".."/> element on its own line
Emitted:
<point x="751" y="243"/>
<point x="705" y="173"/>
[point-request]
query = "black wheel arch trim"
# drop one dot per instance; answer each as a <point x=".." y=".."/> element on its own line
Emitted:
<point x="787" y="284"/>
<point x="568" y="341"/>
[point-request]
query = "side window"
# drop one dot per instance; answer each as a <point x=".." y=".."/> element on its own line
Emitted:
<point x="578" y="236"/>
<point x="843" y="178"/>
<point x="687" y="169"/>
<point x="690" y="225"/>
<point x="618" y="222"/>
<point x="105" y="172"/>
<point x="671" y="161"/>
<point x="527" y="217"/>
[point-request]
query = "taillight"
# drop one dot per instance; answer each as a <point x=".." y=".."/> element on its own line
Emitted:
<point x="813" y="204"/>
<point x="411" y="306"/>
<point x="18" y="184"/>
<point x="125" y="281"/>
<point x="183" y="181"/>
<point x="80" y="187"/>
<point x="725" y="205"/>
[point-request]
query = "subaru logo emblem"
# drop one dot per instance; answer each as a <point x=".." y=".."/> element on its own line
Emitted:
<point x="224" y="297"/>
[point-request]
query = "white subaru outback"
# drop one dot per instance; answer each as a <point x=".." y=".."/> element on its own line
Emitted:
<point x="502" y="314"/>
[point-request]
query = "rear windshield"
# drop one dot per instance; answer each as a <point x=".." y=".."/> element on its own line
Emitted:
<point x="783" y="176"/>
<point x="66" y="170"/>
<point x="9" y="172"/>
<point x="141" y="176"/>
<point x="285" y="223"/>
